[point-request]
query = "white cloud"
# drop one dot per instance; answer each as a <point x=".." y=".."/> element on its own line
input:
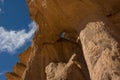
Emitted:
<point x="12" y="40"/>
<point x="1" y="74"/>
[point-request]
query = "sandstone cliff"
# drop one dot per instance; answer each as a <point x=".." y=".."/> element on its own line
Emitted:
<point x="75" y="40"/>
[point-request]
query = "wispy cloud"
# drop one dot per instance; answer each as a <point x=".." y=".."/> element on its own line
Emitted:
<point x="12" y="40"/>
<point x="1" y="10"/>
<point x="1" y="74"/>
<point x="2" y="1"/>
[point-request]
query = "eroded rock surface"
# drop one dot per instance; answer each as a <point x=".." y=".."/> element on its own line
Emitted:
<point x="60" y="71"/>
<point x="59" y="23"/>
<point x="101" y="52"/>
<point x="59" y="52"/>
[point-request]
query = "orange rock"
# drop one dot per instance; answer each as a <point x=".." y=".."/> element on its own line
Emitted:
<point x="57" y="37"/>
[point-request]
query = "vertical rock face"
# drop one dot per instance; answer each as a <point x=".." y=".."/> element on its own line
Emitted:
<point x="101" y="52"/>
<point x="59" y="52"/>
<point x="68" y="31"/>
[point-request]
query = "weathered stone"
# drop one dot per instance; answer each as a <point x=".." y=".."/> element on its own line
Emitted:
<point x="59" y="16"/>
<point x="59" y="23"/>
<point x="61" y="51"/>
<point x="25" y="56"/>
<point x="12" y="76"/>
<point x="19" y="69"/>
<point x="101" y="51"/>
<point x="61" y="71"/>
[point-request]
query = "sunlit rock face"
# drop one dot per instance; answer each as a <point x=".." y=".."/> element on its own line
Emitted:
<point x="101" y="52"/>
<point x="67" y="32"/>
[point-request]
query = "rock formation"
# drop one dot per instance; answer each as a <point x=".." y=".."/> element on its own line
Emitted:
<point x="60" y="71"/>
<point x="88" y="28"/>
<point x="101" y="52"/>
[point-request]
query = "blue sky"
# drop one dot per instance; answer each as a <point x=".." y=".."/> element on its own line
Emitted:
<point x="16" y="31"/>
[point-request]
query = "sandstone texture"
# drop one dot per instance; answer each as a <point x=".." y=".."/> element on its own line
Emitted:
<point x="74" y="40"/>
<point x="60" y="71"/>
<point x="101" y="52"/>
